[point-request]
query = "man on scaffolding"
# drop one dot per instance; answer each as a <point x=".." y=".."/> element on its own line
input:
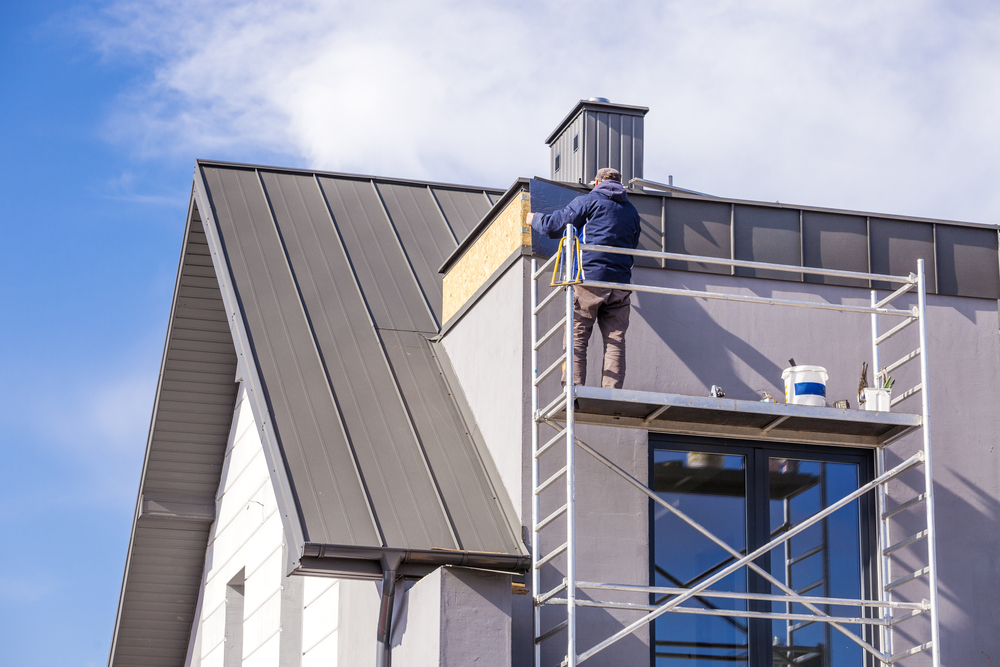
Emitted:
<point x="606" y="217"/>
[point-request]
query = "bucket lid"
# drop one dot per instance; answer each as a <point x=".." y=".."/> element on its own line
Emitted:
<point x="785" y="374"/>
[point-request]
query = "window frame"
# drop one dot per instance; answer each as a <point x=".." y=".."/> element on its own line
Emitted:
<point x="756" y="454"/>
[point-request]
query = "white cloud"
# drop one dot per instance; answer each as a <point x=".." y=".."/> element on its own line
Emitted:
<point x="876" y="105"/>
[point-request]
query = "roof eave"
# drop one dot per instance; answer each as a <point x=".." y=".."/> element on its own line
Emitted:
<point x="367" y="563"/>
<point x="601" y="106"/>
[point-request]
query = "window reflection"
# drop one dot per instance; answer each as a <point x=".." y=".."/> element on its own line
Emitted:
<point x="718" y="491"/>
<point x="822" y="561"/>
<point x="711" y="489"/>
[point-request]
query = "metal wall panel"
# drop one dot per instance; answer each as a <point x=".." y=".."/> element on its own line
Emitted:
<point x="402" y="492"/>
<point x="697" y="228"/>
<point x="571" y="162"/>
<point x="895" y="247"/>
<point x="637" y="146"/>
<point x="462" y="208"/>
<point x="627" y="154"/>
<point x="767" y="235"/>
<point x="575" y="174"/>
<point x="602" y="141"/>
<point x="967" y="261"/>
<point x="303" y="411"/>
<point x="615" y="142"/>
<point x="835" y="241"/>
<point x="590" y="147"/>
<point x="651" y="218"/>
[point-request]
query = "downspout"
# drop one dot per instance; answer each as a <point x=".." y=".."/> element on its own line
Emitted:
<point x="383" y="639"/>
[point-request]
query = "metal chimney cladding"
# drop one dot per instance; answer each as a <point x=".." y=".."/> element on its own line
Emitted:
<point x="597" y="133"/>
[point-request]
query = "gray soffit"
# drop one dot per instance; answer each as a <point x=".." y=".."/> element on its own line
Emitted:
<point x="319" y="292"/>
<point x="195" y="396"/>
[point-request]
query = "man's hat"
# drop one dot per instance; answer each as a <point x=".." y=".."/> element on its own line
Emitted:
<point x="608" y="174"/>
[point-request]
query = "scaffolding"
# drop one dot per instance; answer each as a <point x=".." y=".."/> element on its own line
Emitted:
<point x="881" y="615"/>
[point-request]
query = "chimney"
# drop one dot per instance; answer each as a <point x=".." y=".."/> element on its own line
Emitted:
<point x="597" y="134"/>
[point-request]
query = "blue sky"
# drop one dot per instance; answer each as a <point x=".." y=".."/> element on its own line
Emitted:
<point x="879" y="106"/>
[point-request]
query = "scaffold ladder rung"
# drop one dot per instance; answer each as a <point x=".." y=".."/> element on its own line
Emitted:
<point x="905" y="543"/>
<point x="553" y="631"/>
<point x="906" y="394"/>
<point x="550" y="333"/>
<point x="542" y="561"/>
<point x="548" y="371"/>
<point x="555" y="439"/>
<point x="905" y="506"/>
<point x="542" y="599"/>
<point x="550" y="518"/>
<point x="551" y="480"/>
<point x="910" y="577"/>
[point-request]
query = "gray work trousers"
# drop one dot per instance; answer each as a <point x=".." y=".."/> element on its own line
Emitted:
<point x="610" y="310"/>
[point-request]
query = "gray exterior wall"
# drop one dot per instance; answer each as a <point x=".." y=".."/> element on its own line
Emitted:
<point x="455" y="617"/>
<point x="683" y="345"/>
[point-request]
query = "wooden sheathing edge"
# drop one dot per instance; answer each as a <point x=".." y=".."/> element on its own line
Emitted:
<point x="508" y="232"/>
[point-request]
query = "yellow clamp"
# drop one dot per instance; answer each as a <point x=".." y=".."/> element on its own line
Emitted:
<point x="559" y="267"/>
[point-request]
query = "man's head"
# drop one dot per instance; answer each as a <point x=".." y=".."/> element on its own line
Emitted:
<point x="607" y="174"/>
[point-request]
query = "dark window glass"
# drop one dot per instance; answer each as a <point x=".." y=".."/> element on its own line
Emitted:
<point x="558" y="160"/>
<point x="746" y="495"/>
<point x="576" y="142"/>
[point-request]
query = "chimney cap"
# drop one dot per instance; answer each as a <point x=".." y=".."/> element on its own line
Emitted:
<point x="596" y="104"/>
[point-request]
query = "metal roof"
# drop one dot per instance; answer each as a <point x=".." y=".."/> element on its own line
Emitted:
<point x="320" y="291"/>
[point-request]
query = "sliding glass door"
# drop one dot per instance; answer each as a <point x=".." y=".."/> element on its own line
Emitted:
<point x="743" y="495"/>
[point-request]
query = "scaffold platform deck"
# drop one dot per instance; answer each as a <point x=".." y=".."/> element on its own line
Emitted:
<point x="730" y="418"/>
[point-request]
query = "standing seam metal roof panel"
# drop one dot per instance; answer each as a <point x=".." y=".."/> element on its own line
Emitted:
<point x="375" y="418"/>
<point x="470" y="499"/>
<point x="383" y="271"/>
<point x="296" y="390"/>
<point x="462" y="209"/>
<point x="424" y="233"/>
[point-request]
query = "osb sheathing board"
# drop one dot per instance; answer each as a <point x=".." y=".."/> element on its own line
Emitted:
<point x="506" y="234"/>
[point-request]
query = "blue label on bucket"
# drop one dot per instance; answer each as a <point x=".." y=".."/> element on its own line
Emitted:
<point x="814" y="388"/>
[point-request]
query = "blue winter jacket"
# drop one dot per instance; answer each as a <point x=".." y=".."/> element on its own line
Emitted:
<point x="606" y="217"/>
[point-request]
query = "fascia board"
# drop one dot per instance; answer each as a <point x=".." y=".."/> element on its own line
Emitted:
<point x="152" y="424"/>
<point x="291" y="519"/>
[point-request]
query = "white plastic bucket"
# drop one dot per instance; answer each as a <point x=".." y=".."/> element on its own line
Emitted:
<point x="805" y="385"/>
<point x="877" y="400"/>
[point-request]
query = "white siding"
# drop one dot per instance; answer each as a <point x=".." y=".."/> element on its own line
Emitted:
<point x="247" y="535"/>
<point x="320" y="621"/>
